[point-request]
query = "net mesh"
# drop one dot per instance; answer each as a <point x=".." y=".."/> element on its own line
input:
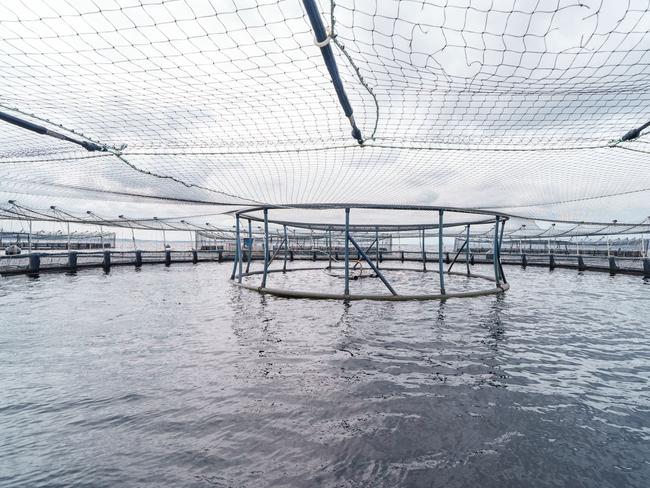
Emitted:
<point x="515" y="105"/>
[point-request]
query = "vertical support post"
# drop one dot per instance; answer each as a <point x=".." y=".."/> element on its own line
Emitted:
<point x="441" y="264"/>
<point x="424" y="253"/>
<point x="72" y="261"/>
<point x="34" y="263"/>
<point x="164" y="239"/>
<point x="347" y="252"/>
<point x="500" y="243"/>
<point x="266" y="247"/>
<point x="646" y="267"/>
<point x="195" y="256"/>
<point x="68" y="235"/>
<point x="29" y="238"/>
<point x="581" y="264"/>
<point x="286" y="249"/>
<point x="495" y="246"/>
<point x="236" y="257"/>
<point x="240" y="258"/>
<point x="138" y="259"/>
<point x="329" y="246"/>
<point x="168" y="257"/>
<point x="101" y="236"/>
<point x="107" y="260"/>
<point x="250" y="249"/>
<point x="467" y="251"/>
<point x="133" y="237"/>
<point x="612" y="265"/>
<point x="377" y="246"/>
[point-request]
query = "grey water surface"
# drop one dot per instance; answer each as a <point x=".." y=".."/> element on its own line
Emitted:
<point x="174" y="377"/>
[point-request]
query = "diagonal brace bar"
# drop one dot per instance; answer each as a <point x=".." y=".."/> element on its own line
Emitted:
<point x="456" y="256"/>
<point x="374" y="268"/>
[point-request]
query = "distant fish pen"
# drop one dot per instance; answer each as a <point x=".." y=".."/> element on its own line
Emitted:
<point x="50" y="241"/>
<point x="414" y="234"/>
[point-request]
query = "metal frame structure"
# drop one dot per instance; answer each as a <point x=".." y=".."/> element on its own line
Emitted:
<point x="483" y="217"/>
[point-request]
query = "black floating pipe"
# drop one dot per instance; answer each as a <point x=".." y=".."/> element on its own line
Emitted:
<point x="323" y="41"/>
<point x="39" y="129"/>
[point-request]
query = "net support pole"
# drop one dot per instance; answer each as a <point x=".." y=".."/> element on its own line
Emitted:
<point x="236" y="256"/>
<point x="329" y="246"/>
<point x="266" y="247"/>
<point x="467" y="251"/>
<point x="250" y="249"/>
<point x="68" y="235"/>
<point x="441" y="264"/>
<point x="347" y="252"/>
<point x="286" y="249"/>
<point x="377" y="246"/>
<point x="501" y="273"/>
<point x="323" y="41"/>
<point x="495" y="245"/>
<point x="240" y="259"/>
<point x="424" y="253"/>
<point x="25" y="124"/>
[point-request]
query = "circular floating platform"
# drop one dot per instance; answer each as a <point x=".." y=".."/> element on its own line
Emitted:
<point x="286" y="293"/>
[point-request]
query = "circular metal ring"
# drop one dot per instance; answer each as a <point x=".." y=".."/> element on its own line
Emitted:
<point x="500" y="288"/>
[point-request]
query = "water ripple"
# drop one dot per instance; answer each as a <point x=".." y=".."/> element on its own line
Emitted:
<point x="173" y="377"/>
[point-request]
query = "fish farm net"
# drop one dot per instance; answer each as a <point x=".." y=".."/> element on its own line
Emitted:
<point x="166" y="114"/>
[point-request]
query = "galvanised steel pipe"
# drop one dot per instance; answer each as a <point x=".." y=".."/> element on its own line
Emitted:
<point x="372" y="266"/>
<point x="467" y="251"/>
<point x="240" y="258"/>
<point x="495" y="246"/>
<point x="329" y="246"/>
<point x="441" y="265"/>
<point x="347" y="251"/>
<point x="503" y="276"/>
<point x="234" y="265"/>
<point x="377" y="247"/>
<point x="250" y="250"/>
<point x="424" y="253"/>
<point x="266" y="247"/>
<point x="286" y="249"/>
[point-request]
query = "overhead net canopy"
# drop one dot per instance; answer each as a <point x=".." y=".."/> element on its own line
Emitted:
<point x="532" y="108"/>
